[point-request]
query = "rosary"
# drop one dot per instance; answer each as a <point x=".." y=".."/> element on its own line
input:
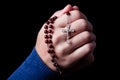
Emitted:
<point x="49" y="30"/>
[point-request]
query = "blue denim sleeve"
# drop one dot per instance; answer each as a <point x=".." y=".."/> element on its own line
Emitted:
<point x="33" y="68"/>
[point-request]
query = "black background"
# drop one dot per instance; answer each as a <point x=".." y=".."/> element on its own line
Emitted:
<point x="21" y="21"/>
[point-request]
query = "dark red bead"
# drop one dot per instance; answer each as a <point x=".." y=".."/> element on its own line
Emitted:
<point x="51" y="26"/>
<point x="48" y="22"/>
<point x="46" y="41"/>
<point x="50" y="36"/>
<point x="46" y="31"/>
<point x="57" y="69"/>
<point x="49" y="41"/>
<point x="55" y="17"/>
<point x="55" y="64"/>
<point x="46" y="27"/>
<point x="46" y="36"/>
<point x="68" y="13"/>
<point x="51" y="20"/>
<point x="51" y="46"/>
<point x="53" y="60"/>
<point x="50" y="31"/>
<point x="50" y="51"/>
<point x="53" y="55"/>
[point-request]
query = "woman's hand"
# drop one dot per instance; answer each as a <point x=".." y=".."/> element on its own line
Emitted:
<point x="79" y="52"/>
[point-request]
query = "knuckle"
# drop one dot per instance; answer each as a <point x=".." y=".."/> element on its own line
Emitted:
<point x="78" y="14"/>
<point x="60" y="51"/>
<point x="84" y="23"/>
<point x="55" y="39"/>
<point x="87" y="35"/>
<point x="81" y="26"/>
<point x="89" y="47"/>
<point x="90" y="26"/>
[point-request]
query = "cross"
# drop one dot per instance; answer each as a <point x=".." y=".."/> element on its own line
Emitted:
<point x="68" y="30"/>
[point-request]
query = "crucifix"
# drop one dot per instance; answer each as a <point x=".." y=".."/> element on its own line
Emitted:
<point x="68" y="30"/>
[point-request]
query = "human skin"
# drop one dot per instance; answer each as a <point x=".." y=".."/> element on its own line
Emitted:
<point x="79" y="52"/>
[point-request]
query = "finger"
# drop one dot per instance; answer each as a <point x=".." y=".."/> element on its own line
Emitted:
<point x="66" y="9"/>
<point x="79" y="26"/>
<point x="79" y="40"/>
<point x="74" y="15"/>
<point x="82" y="39"/>
<point x="82" y="51"/>
<point x="75" y="8"/>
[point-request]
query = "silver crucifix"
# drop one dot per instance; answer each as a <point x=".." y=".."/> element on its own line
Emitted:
<point x="68" y="30"/>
